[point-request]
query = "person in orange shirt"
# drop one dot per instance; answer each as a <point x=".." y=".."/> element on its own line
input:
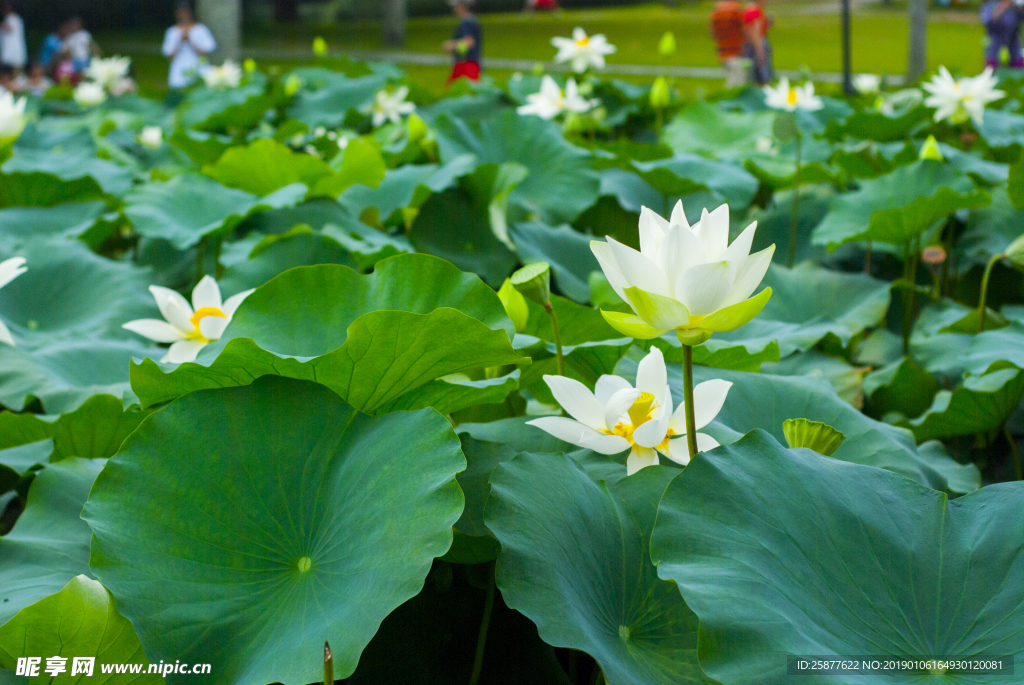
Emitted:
<point x="757" y="48"/>
<point x="727" y="30"/>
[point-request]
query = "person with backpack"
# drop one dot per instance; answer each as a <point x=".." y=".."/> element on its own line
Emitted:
<point x="757" y="48"/>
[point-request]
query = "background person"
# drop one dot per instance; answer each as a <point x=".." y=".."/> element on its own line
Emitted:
<point x="33" y="81"/>
<point x="12" y="38"/>
<point x="78" y="46"/>
<point x="465" y="44"/>
<point x="1002" y="20"/>
<point x="757" y="48"/>
<point x="186" y="43"/>
<point x="727" y="30"/>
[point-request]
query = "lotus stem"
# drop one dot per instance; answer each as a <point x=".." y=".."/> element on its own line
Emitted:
<point x="910" y="294"/>
<point x="984" y="290"/>
<point x="558" y="337"/>
<point x="794" y="215"/>
<point x="691" y="420"/>
<point x="328" y="665"/>
<point x="481" y="639"/>
<point x="218" y="268"/>
<point x="1014" y="453"/>
<point x="200" y="248"/>
<point x="867" y="259"/>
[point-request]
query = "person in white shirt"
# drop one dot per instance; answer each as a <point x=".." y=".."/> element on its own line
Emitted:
<point x="186" y="44"/>
<point x="12" y="38"/>
<point x="79" y="45"/>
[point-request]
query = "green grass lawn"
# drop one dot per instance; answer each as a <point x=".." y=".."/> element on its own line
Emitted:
<point x="799" y="38"/>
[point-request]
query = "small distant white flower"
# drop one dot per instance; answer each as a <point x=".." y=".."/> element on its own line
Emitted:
<point x="319" y="132"/>
<point x="89" y="94"/>
<point x="9" y="270"/>
<point x="550" y="101"/>
<point x="123" y="85"/>
<point x="390" y="106"/>
<point x="617" y="416"/>
<point x="188" y="328"/>
<point x="12" y="118"/>
<point x="963" y="99"/>
<point x="107" y="71"/>
<point x="866" y="84"/>
<point x="791" y="98"/>
<point x="764" y="144"/>
<point x="227" y="75"/>
<point x="152" y="137"/>
<point x="583" y="51"/>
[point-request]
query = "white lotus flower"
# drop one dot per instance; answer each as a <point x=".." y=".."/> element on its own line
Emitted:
<point x="686" y="278"/>
<point x="9" y="270"/>
<point x="390" y="106"/>
<point x="188" y="328"/>
<point x="791" y="98"/>
<point x="227" y="75"/>
<point x="550" y="101"/>
<point x="12" y="118"/>
<point x="617" y="416"/>
<point x="963" y="99"/>
<point x="108" y="71"/>
<point x="583" y="51"/>
<point x="123" y="85"/>
<point x="89" y="94"/>
<point x="152" y="137"/>
<point x="866" y="84"/>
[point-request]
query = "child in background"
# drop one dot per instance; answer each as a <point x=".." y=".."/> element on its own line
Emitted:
<point x="34" y="81"/>
<point x="465" y="44"/>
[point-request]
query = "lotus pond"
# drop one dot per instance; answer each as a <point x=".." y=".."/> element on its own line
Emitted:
<point x="537" y="382"/>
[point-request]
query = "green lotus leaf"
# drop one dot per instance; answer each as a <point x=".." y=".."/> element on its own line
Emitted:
<point x="846" y="379"/>
<point x="921" y="575"/>
<point x="330" y="96"/>
<point x="902" y="204"/>
<point x="22" y="429"/>
<point x="900" y="386"/>
<point x="814" y="435"/>
<point x="25" y="224"/>
<point x="878" y="126"/>
<point x="955" y="354"/>
<point x="565" y="249"/>
<point x="78" y="174"/>
<point x="763" y="401"/>
<point x="559" y="185"/>
<point x="983" y="403"/>
<point x="574" y="558"/>
<point x="287" y="251"/>
<point x="473" y="542"/>
<point x="1001" y="128"/>
<point x="219" y="110"/>
<point x="361" y="163"/>
<point x="989" y="230"/>
<point x="79" y="621"/>
<point x="704" y="129"/>
<point x="190" y="207"/>
<point x="684" y="174"/>
<point x="371" y="339"/>
<point x="326" y="547"/>
<point x="810" y="303"/>
<point x="49" y="544"/>
<point x="18" y="460"/>
<point x="202" y="148"/>
<point x="721" y="354"/>
<point x="779" y="172"/>
<point x="265" y="165"/>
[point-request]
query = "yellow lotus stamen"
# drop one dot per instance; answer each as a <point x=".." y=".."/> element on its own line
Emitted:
<point x="664" y="443"/>
<point x="640" y="412"/>
<point x="791" y="98"/>
<point x="583" y="42"/>
<point x="201" y="314"/>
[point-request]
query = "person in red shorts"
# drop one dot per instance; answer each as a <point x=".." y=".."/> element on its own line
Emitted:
<point x="757" y="48"/>
<point x="465" y="44"/>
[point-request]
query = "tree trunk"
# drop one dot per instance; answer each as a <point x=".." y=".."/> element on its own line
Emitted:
<point x="286" y="10"/>
<point x="224" y="19"/>
<point x="917" y="59"/>
<point x="394" y="22"/>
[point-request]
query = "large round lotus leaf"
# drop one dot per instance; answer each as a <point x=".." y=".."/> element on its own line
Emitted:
<point x="69" y="292"/>
<point x="877" y="126"/>
<point x="684" y="174"/>
<point x="328" y="96"/>
<point x="559" y="185"/>
<point x="277" y="254"/>
<point x="982" y="404"/>
<point x="190" y="207"/>
<point x="809" y="302"/>
<point x="759" y="400"/>
<point x="407" y="186"/>
<point x="79" y="621"/>
<point x="224" y="109"/>
<point x="787" y="552"/>
<point x="574" y="558"/>
<point x="300" y="520"/>
<point x="990" y="230"/>
<point x="1001" y="128"/>
<point x="68" y="167"/>
<point x="49" y="544"/>
<point x="704" y="129"/>
<point x="265" y="165"/>
<point x="901" y="204"/>
<point x="24" y="224"/>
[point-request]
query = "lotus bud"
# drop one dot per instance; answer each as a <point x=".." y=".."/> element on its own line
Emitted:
<point x="249" y="65"/>
<point x="1015" y="252"/>
<point x="417" y="128"/>
<point x="667" y="44"/>
<point x="534" y="282"/>
<point x="660" y="96"/>
<point x="319" y="46"/>
<point x="930" y="150"/>
<point x="515" y="305"/>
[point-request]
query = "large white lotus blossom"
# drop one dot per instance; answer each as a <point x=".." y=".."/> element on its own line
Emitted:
<point x="685" y="278"/>
<point x="89" y="94"/>
<point x="390" y="106"/>
<point x="108" y="71"/>
<point x="152" y="137"/>
<point x="617" y="416"/>
<point x="12" y="118"/>
<point x="963" y="99"/>
<point x="9" y="270"/>
<point x="583" y="51"/>
<point x="791" y="98"/>
<point x="227" y="75"/>
<point x="550" y="101"/>
<point x="867" y="84"/>
<point x="188" y="328"/>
